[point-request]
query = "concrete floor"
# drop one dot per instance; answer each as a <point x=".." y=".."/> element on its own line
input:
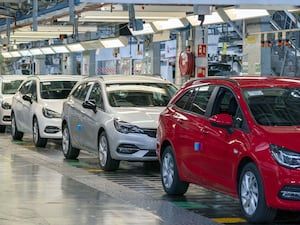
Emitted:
<point x="39" y="190"/>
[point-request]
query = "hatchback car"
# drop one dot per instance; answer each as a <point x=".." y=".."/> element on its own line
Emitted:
<point x="115" y="116"/>
<point x="8" y="86"/>
<point x="37" y="105"/>
<point x="235" y="135"/>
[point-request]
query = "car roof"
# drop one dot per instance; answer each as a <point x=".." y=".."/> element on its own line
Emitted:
<point x="13" y="77"/>
<point x="129" y="78"/>
<point x="56" y="77"/>
<point x="249" y="81"/>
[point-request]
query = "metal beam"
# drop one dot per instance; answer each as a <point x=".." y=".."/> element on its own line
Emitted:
<point x="202" y="2"/>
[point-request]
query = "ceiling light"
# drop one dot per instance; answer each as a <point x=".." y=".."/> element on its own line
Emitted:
<point x="91" y="45"/>
<point x="147" y="29"/>
<point x="25" y="52"/>
<point x="36" y="51"/>
<point x="114" y="42"/>
<point x="240" y="14"/>
<point x="169" y="24"/>
<point x="47" y="50"/>
<point x="76" y="47"/>
<point x="15" y="54"/>
<point x="214" y="18"/>
<point x="6" y="54"/>
<point x="60" y="49"/>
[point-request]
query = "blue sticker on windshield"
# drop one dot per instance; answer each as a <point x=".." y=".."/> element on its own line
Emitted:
<point x="79" y="127"/>
<point x="197" y="146"/>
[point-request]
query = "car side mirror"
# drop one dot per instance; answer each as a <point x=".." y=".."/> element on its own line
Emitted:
<point x="27" y="98"/>
<point x="222" y="120"/>
<point x="90" y="104"/>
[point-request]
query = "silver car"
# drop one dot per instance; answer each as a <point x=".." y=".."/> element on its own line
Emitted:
<point x="115" y="116"/>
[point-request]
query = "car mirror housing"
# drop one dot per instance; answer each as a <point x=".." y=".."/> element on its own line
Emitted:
<point x="27" y="98"/>
<point x="222" y="120"/>
<point x="90" y="105"/>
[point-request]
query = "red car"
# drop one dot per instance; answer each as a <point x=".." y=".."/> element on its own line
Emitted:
<point x="237" y="135"/>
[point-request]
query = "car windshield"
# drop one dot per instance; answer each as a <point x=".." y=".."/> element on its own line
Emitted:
<point x="274" y="106"/>
<point x="56" y="89"/>
<point x="140" y="94"/>
<point x="10" y="87"/>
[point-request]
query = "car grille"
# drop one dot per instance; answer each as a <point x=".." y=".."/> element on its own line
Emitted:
<point x="150" y="132"/>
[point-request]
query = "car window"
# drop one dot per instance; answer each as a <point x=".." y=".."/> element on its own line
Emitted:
<point x="56" y="89"/>
<point x="96" y="95"/>
<point x="10" y="86"/>
<point x="196" y="99"/>
<point x="81" y="91"/>
<point x="139" y="94"/>
<point x="274" y="106"/>
<point x="225" y="102"/>
<point x="29" y="88"/>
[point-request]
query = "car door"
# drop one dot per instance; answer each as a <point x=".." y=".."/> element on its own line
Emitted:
<point x="92" y="117"/>
<point x="23" y="109"/>
<point x="75" y="113"/>
<point x="189" y="132"/>
<point x="220" y="146"/>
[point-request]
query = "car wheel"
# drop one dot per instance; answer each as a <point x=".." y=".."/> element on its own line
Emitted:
<point x="15" y="134"/>
<point x="105" y="160"/>
<point x="37" y="140"/>
<point x="252" y="196"/>
<point x="68" y="150"/>
<point x="169" y="174"/>
<point x="2" y="128"/>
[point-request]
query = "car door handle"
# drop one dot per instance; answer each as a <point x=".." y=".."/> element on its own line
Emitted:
<point x="204" y="131"/>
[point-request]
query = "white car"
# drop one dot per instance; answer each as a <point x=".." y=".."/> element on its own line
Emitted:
<point x="8" y="86"/>
<point x="115" y="116"/>
<point x="37" y="105"/>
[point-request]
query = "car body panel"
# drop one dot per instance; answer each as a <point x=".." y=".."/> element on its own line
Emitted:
<point x="25" y="110"/>
<point x="86" y="124"/>
<point x="213" y="156"/>
<point x="6" y="96"/>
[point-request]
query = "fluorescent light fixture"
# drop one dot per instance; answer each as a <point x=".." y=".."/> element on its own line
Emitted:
<point x="214" y="18"/>
<point x="36" y="51"/>
<point x="76" y="47"/>
<point x="25" y="52"/>
<point x="6" y="54"/>
<point x="240" y="14"/>
<point x="91" y="45"/>
<point x="60" y="49"/>
<point x="47" y="50"/>
<point x="114" y="42"/>
<point x="170" y="24"/>
<point x="15" y="54"/>
<point x="147" y="29"/>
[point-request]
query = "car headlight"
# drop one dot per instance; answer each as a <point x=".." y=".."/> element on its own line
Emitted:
<point x="5" y="105"/>
<point x="285" y="157"/>
<point x="126" y="128"/>
<point x="50" y="113"/>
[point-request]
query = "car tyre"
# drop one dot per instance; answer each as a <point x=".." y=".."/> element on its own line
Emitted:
<point x="252" y="196"/>
<point x="2" y="128"/>
<point x="69" y="151"/>
<point x="105" y="161"/>
<point x="37" y="139"/>
<point x="15" y="134"/>
<point x="169" y="174"/>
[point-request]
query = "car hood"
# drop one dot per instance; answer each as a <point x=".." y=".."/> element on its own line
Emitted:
<point x="54" y="104"/>
<point x="142" y="117"/>
<point x="6" y="98"/>
<point x="287" y="136"/>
